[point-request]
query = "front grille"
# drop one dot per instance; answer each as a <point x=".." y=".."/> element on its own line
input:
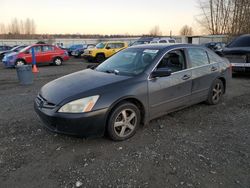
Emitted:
<point x="43" y="103"/>
<point x="237" y="58"/>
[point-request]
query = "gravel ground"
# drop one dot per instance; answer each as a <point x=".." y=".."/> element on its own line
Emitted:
<point x="201" y="146"/>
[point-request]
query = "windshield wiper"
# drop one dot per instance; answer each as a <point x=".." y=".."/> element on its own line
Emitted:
<point x="116" y="72"/>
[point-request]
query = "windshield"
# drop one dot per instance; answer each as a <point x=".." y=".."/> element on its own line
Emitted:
<point x="17" y="48"/>
<point x="240" y="42"/>
<point x="100" y="45"/>
<point x="129" y="62"/>
<point x="25" y="49"/>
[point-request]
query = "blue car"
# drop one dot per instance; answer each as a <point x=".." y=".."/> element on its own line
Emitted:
<point x="74" y="47"/>
<point x="79" y="51"/>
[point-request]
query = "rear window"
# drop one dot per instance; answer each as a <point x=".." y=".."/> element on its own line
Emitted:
<point x="198" y="57"/>
<point x="48" y="48"/>
<point x="240" y="42"/>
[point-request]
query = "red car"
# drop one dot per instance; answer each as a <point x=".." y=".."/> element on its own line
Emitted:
<point x="44" y="53"/>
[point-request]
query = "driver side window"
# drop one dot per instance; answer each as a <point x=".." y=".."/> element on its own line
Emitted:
<point x="174" y="61"/>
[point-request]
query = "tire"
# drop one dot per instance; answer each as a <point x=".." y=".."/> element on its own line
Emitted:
<point x="123" y="121"/>
<point x="100" y="58"/>
<point x="216" y="92"/>
<point x="20" y="62"/>
<point x="57" y="61"/>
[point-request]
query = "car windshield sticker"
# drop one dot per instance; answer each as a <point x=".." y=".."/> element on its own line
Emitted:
<point x="151" y="51"/>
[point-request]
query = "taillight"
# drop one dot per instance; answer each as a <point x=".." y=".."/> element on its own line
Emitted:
<point x="230" y="68"/>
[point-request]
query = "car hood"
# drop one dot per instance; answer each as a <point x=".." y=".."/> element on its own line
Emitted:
<point x="76" y="84"/>
<point x="236" y="51"/>
<point x="9" y="54"/>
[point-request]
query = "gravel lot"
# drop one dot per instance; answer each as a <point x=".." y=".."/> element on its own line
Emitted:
<point x="201" y="146"/>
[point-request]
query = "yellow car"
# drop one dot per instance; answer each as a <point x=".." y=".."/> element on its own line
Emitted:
<point x="104" y="50"/>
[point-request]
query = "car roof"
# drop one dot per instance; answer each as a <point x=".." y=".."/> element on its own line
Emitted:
<point x="114" y="42"/>
<point x="163" y="46"/>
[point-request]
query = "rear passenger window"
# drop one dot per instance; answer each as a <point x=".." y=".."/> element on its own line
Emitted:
<point x="213" y="58"/>
<point x="111" y="45"/>
<point x="171" y="41"/>
<point x="162" y="41"/>
<point x="198" y="57"/>
<point x="47" y="48"/>
<point x="119" y="45"/>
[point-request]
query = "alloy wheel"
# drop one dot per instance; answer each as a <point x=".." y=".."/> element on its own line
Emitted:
<point x="125" y="123"/>
<point x="58" y="61"/>
<point x="18" y="63"/>
<point x="217" y="92"/>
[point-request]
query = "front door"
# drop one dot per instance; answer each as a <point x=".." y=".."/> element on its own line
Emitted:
<point x="110" y="49"/>
<point x="169" y="93"/>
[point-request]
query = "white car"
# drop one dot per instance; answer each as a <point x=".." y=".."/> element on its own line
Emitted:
<point x="163" y="40"/>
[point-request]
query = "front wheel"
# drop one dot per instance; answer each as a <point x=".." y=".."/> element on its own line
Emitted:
<point x="216" y="92"/>
<point x="100" y="58"/>
<point x="57" y="61"/>
<point x="124" y="121"/>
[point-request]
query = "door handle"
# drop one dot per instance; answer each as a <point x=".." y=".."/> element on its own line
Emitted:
<point x="186" y="77"/>
<point x="214" y="69"/>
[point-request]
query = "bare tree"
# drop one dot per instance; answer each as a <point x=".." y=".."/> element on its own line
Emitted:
<point x="186" y="30"/>
<point x="225" y="16"/>
<point x="2" y="28"/>
<point x="155" y="31"/>
<point x="32" y="27"/>
<point x="215" y="15"/>
<point x="14" y="27"/>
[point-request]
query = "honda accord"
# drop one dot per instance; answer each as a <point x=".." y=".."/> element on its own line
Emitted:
<point x="131" y="88"/>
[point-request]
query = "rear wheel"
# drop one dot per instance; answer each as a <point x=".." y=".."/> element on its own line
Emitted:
<point x="216" y="92"/>
<point x="20" y="62"/>
<point x="57" y="61"/>
<point x="123" y="122"/>
<point x="100" y="58"/>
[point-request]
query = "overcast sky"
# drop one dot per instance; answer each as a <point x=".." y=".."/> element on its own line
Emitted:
<point x="102" y="16"/>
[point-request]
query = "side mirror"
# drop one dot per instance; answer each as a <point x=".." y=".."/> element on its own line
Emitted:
<point x="108" y="48"/>
<point x="162" y="72"/>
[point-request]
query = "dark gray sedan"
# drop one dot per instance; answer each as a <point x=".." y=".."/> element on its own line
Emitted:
<point x="131" y="88"/>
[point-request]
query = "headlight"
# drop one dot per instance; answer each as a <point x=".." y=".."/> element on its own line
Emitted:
<point x="80" y="105"/>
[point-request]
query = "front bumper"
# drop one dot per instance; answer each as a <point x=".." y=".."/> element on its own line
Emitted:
<point x="8" y="63"/>
<point x="240" y="67"/>
<point x="89" y="124"/>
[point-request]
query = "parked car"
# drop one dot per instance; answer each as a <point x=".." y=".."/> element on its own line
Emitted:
<point x="104" y="50"/>
<point x="80" y="51"/>
<point x="131" y="88"/>
<point x="44" y="54"/>
<point x="217" y="47"/>
<point x="74" y="47"/>
<point x="238" y="53"/>
<point x="14" y="49"/>
<point x="148" y="40"/>
<point x="4" y="48"/>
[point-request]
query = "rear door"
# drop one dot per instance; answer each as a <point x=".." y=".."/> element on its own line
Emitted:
<point x="204" y="72"/>
<point x="169" y="93"/>
<point x="38" y="54"/>
<point x="48" y="53"/>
